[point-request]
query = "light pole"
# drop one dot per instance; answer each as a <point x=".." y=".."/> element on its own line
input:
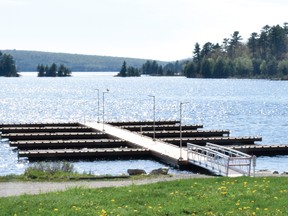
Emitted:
<point x="98" y="107"/>
<point x="153" y="115"/>
<point x="181" y="103"/>
<point x="104" y="106"/>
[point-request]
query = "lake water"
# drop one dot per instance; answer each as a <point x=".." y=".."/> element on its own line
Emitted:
<point x="245" y="107"/>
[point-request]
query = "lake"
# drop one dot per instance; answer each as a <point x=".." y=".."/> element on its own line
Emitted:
<point x="245" y="107"/>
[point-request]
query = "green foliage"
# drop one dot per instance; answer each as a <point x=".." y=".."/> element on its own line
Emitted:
<point x="45" y="170"/>
<point x="263" y="56"/>
<point x="154" y="68"/>
<point x="206" y="196"/>
<point x="7" y="66"/>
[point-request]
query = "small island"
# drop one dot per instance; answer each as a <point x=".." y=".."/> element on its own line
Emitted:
<point x="128" y="71"/>
<point x="7" y="66"/>
<point x="53" y="71"/>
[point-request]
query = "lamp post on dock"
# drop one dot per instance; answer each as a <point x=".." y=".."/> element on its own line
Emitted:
<point x="98" y="107"/>
<point x="153" y="115"/>
<point x="104" y="106"/>
<point x="181" y="104"/>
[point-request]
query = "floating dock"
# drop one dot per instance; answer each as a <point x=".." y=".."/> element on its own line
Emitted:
<point x="43" y="141"/>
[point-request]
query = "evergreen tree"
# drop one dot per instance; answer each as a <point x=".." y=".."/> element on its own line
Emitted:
<point x="190" y="70"/>
<point x="46" y="71"/>
<point x="207" y="67"/>
<point x="41" y="70"/>
<point x="123" y="71"/>
<point x="52" y="71"/>
<point x="7" y="66"/>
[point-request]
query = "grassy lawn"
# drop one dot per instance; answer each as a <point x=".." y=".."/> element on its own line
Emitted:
<point x="207" y="196"/>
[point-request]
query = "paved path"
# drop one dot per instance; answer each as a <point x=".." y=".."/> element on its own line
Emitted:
<point x="19" y="188"/>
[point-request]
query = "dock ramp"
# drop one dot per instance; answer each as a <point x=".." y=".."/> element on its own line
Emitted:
<point x="221" y="160"/>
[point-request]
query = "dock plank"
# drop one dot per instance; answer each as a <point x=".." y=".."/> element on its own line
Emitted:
<point x="84" y="153"/>
<point x="216" y="140"/>
<point x="60" y="144"/>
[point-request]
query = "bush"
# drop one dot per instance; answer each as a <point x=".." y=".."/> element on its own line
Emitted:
<point x="45" y="170"/>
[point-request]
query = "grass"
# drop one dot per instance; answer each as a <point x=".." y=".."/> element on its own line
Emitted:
<point x="207" y="196"/>
<point x="52" y="171"/>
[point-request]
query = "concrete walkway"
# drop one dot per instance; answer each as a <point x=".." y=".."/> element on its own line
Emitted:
<point x="160" y="147"/>
<point x="19" y="188"/>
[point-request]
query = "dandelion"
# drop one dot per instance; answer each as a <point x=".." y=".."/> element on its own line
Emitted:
<point x="265" y="209"/>
<point x="224" y="193"/>
<point x="56" y="209"/>
<point x="103" y="212"/>
<point x="113" y="200"/>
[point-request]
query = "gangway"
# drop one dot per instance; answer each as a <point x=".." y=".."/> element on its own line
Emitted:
<point x="221" y="160"/>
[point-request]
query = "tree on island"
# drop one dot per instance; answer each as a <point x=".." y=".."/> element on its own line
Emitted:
<point x="7" y="66"/>
<point x="128" y="72"/>
<point x="53" y="71"/>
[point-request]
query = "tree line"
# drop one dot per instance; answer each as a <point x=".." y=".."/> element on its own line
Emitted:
<point x="53" y="70"/>
<point x="152" y="68"/>
<point x="264" y="55"/>
<point x="7" y="66"/>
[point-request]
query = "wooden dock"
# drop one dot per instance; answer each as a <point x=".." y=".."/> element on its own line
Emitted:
<point x="123" y="139"/>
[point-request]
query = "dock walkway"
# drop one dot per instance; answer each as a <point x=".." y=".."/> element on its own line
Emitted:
<point x="168" y="152"/>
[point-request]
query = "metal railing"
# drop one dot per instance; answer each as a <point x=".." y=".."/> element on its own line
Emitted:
<point x="221" y="160"/>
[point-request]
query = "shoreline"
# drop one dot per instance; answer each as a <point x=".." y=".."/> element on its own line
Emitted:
<point x="8" y="189"/>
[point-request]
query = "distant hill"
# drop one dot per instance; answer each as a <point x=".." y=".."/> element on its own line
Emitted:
<point x="28" y="61"/>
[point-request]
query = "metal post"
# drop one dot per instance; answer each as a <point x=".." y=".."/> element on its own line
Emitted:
<point x="153" y="116"/>
<point x="104" y="108"/>
<point x="98" y="107"/>
<point x="254" y="164"/>
<point x="181" y="103"/>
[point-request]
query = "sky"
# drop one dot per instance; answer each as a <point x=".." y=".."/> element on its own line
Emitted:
<point x="164" y="30"/>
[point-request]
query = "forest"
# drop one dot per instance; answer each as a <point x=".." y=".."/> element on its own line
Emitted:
<point x="264" y="55"/>
<point x="28" y="61"/>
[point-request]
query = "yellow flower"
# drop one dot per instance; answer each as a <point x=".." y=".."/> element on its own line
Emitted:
<point x="56" y="209"/>
<point x="103" y="213"/>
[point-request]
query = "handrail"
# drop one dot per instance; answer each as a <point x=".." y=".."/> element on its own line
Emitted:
<point x="220" y="159"/>
<point x="218" y="147"/>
